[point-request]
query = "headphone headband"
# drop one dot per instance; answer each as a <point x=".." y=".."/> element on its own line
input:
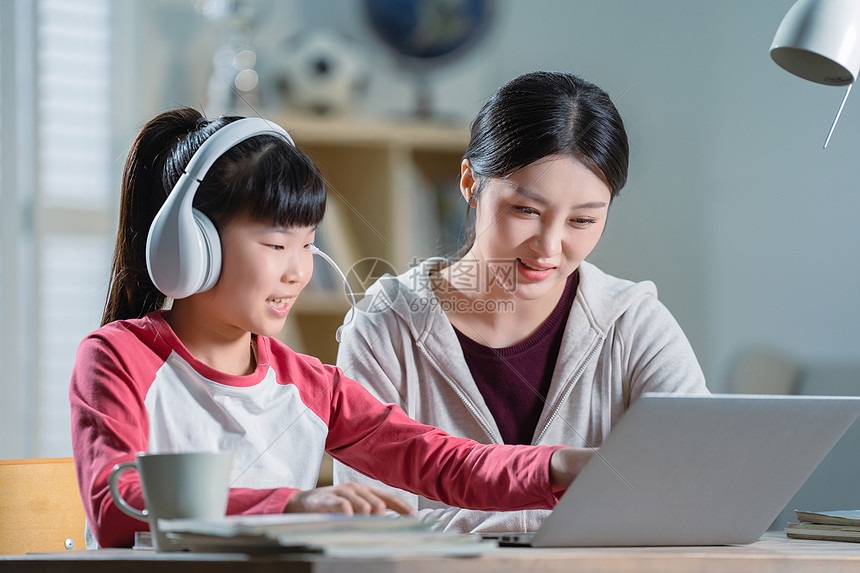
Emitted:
<point x="226" y="138"/>
<point x="183" y="250"/>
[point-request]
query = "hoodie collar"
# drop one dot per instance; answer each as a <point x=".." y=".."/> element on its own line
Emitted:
<point x="600" y="300"/>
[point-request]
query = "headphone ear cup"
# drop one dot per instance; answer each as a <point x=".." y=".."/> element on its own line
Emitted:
<point x="210" y="252"/>
<point x="183" y="253"/>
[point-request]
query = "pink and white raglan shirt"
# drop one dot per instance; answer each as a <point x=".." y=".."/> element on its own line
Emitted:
<point x="136" y="388"/>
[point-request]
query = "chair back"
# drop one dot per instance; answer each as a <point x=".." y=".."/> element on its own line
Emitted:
<point x="40" y="506"/>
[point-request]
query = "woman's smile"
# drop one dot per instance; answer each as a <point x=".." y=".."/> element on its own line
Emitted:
<point x="534" y="271"/>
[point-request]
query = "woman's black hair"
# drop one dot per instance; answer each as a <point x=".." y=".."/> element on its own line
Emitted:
<point x="539" y="114"/>
<point x="263" y="177"/>
<point x="549" y="113"/>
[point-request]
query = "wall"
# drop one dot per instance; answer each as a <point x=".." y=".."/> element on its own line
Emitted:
<point x="783" y="238"/>
<point x="745" y="224"/>
<point x="733" y="208"/>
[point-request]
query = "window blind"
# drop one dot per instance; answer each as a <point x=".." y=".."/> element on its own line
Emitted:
<point x="74" y="112"/>
<point x="3" y="73"/>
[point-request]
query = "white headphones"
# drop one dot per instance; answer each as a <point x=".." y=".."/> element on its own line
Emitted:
<point x="183" y="249"/>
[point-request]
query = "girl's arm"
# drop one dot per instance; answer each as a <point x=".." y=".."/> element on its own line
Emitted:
<point x="380" y="441"/>
<point x="368" y="353"/>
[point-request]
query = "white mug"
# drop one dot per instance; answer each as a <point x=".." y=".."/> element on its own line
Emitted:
<point x="176" y="485"/>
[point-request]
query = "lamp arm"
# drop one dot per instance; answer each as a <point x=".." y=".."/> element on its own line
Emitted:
<point x="838" y="113"/>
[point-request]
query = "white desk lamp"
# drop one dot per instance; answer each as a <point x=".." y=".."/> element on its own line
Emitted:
<point x="819" y="40"/>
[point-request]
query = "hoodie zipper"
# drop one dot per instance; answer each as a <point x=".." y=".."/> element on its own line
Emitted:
<point x="570" y="386"/>
<point x="468" y="403"/>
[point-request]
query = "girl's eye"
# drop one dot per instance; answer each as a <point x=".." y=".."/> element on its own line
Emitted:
<point x="584" y="221"/>
<point x="526" y="210"/>
<point x="276" y="247"/>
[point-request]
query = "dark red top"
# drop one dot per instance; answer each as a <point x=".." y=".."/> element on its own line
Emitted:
<point x="515" y="380"/>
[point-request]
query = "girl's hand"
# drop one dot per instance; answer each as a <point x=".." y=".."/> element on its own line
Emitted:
<point x="566" y="463"/>
<point x="348" y="498"/>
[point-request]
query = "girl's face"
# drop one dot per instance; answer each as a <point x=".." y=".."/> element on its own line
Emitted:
<point x="264" y="268"/>
<point x="534" y="227"/>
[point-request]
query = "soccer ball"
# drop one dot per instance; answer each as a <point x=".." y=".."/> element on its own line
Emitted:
<point x="323" y="72"/>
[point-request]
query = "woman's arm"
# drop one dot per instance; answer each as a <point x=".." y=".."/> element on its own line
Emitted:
<point x="362" y="352"/>
<point x="658" y="357"/>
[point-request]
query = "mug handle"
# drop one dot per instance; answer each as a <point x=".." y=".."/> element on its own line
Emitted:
<point x="123" y="505"/>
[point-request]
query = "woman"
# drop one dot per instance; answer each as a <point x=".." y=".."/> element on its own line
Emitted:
<point x="519" y="340"/>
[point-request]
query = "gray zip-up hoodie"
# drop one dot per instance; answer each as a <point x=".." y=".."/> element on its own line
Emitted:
<point x="619" y="342"/>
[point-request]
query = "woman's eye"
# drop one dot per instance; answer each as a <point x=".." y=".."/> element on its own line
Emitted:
<point x="276" y="247"/>
<point x="526" y="210"/>
<point x="585" y="221"/>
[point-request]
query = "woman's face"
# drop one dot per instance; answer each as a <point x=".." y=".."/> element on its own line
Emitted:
<point x="534" y="227"/>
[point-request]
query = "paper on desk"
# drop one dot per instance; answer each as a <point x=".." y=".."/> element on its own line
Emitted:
<point x="329" y="534"/>
<point x="836" y="517"/>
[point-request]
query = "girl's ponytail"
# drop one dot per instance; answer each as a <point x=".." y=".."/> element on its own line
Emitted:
<point x="131" y="293"/>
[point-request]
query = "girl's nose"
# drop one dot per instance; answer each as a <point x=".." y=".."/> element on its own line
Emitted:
<point x="298" y="268"/>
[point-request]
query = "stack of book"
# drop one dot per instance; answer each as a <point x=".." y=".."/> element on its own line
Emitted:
<point x="328" y="534"/>
<point x="826" y="526"/>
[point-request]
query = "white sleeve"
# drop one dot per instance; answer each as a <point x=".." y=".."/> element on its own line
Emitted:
<point x="658" y="356"/>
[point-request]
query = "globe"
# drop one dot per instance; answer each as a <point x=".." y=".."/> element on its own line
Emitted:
<point x="428" y="30"/>
<point x="427" y="33"/>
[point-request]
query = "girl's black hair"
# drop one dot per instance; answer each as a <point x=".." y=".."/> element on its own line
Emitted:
<point x="539" y="114"/>
<point x="263" y="177"/>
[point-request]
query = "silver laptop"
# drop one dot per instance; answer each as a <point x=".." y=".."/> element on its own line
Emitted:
<point x="695" y="470"/>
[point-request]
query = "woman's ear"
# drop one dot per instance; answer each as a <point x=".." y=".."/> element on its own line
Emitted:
<point x="467" y="181"/>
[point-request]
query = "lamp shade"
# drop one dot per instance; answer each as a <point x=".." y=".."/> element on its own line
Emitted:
<point x="819" y="40"/>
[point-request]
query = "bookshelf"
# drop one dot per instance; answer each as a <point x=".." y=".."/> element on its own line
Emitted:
<point x="391" y="185"/>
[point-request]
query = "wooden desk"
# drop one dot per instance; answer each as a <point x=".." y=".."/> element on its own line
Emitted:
<point x="773" y="553"/>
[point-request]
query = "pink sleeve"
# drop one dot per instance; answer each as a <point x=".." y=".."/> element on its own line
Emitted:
<point x="110" y="425"/>
<point x="380" y="441"/>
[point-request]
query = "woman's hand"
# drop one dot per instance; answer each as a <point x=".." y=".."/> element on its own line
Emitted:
<point x="349" y="498"/>
<point x="566" y="463"/>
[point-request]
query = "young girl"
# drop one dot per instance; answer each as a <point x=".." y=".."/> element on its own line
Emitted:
<point x="208" y="375"/>
<point x="519" y="340"/>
